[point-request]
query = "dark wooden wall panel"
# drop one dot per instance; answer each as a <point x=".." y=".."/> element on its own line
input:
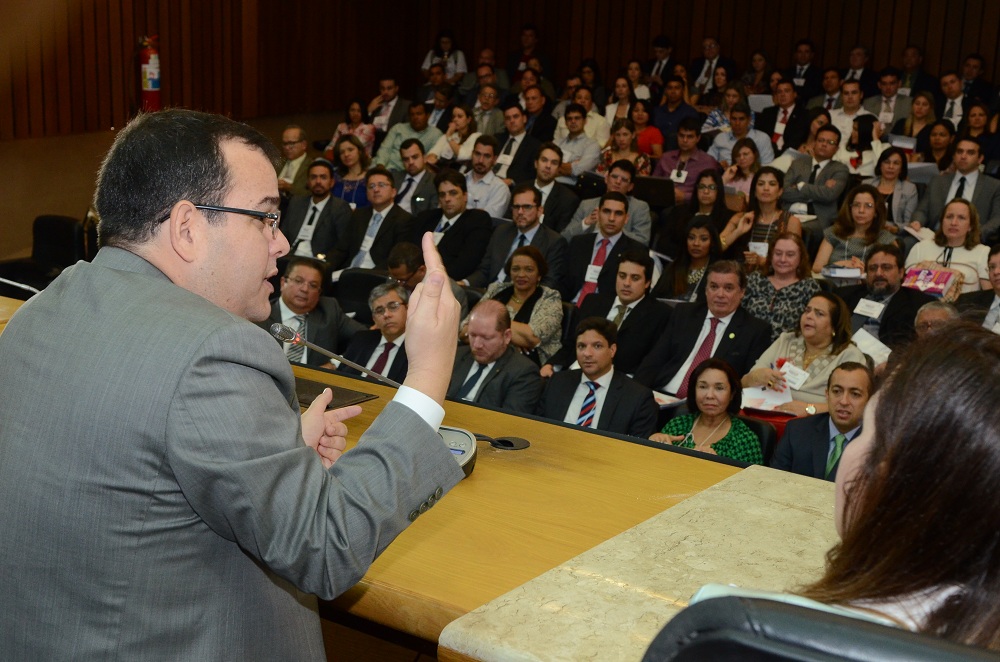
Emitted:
<point x="70" y="66"/>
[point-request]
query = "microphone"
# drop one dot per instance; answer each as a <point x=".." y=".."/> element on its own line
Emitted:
<point x="287" y="334"/>
<point x="20" y="286"/>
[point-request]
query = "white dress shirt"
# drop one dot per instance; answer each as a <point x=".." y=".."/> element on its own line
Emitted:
<point x="674" y="384"/>
<point x="600" y="395"/>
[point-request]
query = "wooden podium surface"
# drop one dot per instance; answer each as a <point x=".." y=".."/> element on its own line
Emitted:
<point x="520" y="513"/>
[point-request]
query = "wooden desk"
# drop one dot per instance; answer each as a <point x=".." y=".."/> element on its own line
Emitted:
<point x="520" y="514"/>
<point x="7" y="308"/>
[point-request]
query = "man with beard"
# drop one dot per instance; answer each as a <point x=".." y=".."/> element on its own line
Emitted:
<point x="486" y="190"/>
<point x="881" y="306"/>
<point x="314" y="223"/>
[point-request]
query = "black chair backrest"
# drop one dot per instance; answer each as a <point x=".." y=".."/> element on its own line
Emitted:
<point x="752" y="629"/>
<point x="657" y="192"/>
<point x="767" y="434"/>
<point x="58" y="241"/>
<point x="353" y="289"/>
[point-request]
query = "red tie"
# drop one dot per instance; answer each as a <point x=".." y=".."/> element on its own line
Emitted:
<point x="776" y="137"/>
<point x="602" y="255"/>
<point x="704" y="352"/>
<point x="383" y="358"/>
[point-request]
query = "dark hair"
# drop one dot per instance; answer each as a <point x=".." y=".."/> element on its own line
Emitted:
<point x="625" y="166"/>
<point x="854" y="366"/>
<point x="527" y="187"/>
<point x="322" y="163"/>
<point x="908" y="528"/>
<point x="816" y="112"/>
<point x="804" y="270"/>
<point x="830" y="128"/>
<point x="303" y="261"/>
<point x="753" y="203"/>
<point x="752" y="146"/>
<point x="994" y="250"/>
<point x="378" y="170"/>
<point x="615" y="196"/>
<point x="949" y="153"/>
<point x="889" y="249"/>
<point x="514" y="103"/>
<point x="532" y="253"/>
<point x="452" y="177"/>
<point x="690" y="124"/>
<point x="662" y="41"/>
<point x="973" y="237"/>
<point x="844" y="225"/>
<point x="590" y="63"/>
<point x="412" y="142"/>
<point x="444" y="34"/>
<point x="552" y="147"/>
<point x="161" y="158"/>
<point x="904" y="172"/>
<point x="673" y="79"/>
<point x="447" y="90"/>
<point x="840" y="321"/>
<point x="728" y="267"/>
<point x="417" y="106"/>
<point x="363" y="159"/>
<point x="851" y="81"/>
<point x="677" y="272"/>
<point x="866" y="133"/>
<point x="647" y="105"/>
<point x="602" y="326"/>
<point x="720" y="212"/>
<point x="735" y="385"/>
<point x="975" y="56"/>
<point x="631" y="89"/>
<point x="575" y="108"/>
<point x="488" y="141"/>
<point x="641" y="258"/>
<point x="806" y="42"/>
<point x="740" y="107"/>
<point x="406" y="254"/>
<point x="363" y="105"/>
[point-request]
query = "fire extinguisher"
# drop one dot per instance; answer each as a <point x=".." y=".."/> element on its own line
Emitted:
<point x="149" y="67"/>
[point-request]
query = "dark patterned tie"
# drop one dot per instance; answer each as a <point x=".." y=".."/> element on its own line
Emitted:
<point x="586" y="416"/>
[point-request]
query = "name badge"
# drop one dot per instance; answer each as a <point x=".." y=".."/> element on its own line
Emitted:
<point x="795" y="376"/>
<point x="366" y="244"/>
<point x="799" y="208"/>
<point x="437" y="237"/>
<point x="759" y="247"/>
<point x="593" y="271"/>
<point x="869" y="308"/>
<point x="799" y="82"/>
<point x="678" y="176"/>
<point x="905" y="91"/>
<point x="505" y="159"/>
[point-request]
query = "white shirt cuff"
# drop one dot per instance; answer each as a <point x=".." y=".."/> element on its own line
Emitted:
<point x="422" y="405"/>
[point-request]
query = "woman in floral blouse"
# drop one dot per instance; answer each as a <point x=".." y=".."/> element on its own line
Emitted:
<point x="780" y="293"/>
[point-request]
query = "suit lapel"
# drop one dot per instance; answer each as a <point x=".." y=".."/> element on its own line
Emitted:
<point x="611" y="401"/>
<point x="820" y="445"/>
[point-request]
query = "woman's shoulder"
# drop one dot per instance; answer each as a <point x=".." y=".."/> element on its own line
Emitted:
<point x="851" y="353"/>
<point x="495" y="288"/>
<point x="548" y="294"/>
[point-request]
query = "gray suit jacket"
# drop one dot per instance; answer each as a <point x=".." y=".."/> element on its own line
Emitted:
<point x="638" y="227"/>
<point x="553" y="247"/>
<point x="173" y="511"/>
<point x="823" y="198"/>
<point x="512" y="384"/>
<point x="326" y="326"/>
<point x="426" y="195"/>
<point x="904" y="200"/>
<point x="900" y="109"/>
<point x="986" y="198"/>
<point x="330" y="226"/>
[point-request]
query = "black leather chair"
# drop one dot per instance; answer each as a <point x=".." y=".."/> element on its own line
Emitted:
<point x="57" y="242"/>
<point x="767" y="434"/>
<point x="756" y="630"/>
<point x="353" y="289"/>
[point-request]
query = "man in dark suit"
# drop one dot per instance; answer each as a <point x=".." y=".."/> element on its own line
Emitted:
<point x="526" y="230"/>
<point x="314" y="223"/>
<point x="943" y="188"/>
<point x="596" y="395"/>
<point x="415" y="191"/>
<point x="983" y="306"/>
<point x="891" y="318"/>
<point x="388" y="109"/>
<point x="558" y="200"/>
<point x="440" y="107"/>
<point x="914" y="79"/>
<point x="489" y="371"/>
<point x="701" y="73"/>
<point x="382" y="349"/>
<point x="516" y="161"/>
<point x="660" y="66"/>
<point x="803" y="74"/>
<point x="816" y="190"/>
<point x="829" y="97"/>
<point x="973" y="85"/>
<point x="593" y="257"/>
<point x="812" y="446"/>
<point x="541" y="125"/>
<point x="719" y="328"/>
<point x="953" y="104"/>
<point x="319" y="319"/>
<point x="435" y="79"/>
<point x="787" y="122"/>
<point x="641" y="319"/>
<point x="373" y="230"/>
<point x="859" y="70"/>
<point x="461" y="234"/>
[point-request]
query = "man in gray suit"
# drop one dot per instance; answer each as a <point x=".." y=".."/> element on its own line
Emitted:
<point x="814" y="185"/>
<point x="173" y="505"/>
<point x="489" y="371"/>
<point x="967" y="183"/>
<point x="619" y="179"/>
<point x="889" y="105"/>
<point x="415" y="190"/>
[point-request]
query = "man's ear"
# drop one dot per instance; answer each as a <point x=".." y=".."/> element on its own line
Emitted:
<point x="184" y="228"/>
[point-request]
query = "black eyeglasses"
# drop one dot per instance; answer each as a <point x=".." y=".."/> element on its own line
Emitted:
<point x="268" y="218"/>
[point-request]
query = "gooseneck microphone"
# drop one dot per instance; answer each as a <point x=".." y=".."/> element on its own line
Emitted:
<point x="287" y="334"/>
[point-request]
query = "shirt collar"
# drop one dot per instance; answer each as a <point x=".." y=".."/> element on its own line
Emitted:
<point x="604" y="380"/>
<point x="850" y="434"/>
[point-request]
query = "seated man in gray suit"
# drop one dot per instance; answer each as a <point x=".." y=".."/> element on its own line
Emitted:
<point x="526" y="230"/>
<point x="314" y="223"/>
<point x="812" y="445"/>
<point x="967" y="183"/>
<point x="415" y="191"/>
<point x="889" y="105"/>
<point x="193" y="517"/>
<point x="373" y="230"/>
<point x="319" y="320"/>
<point x="597" y="396"/>
<point x="619" y="179"/>
<point x="489" y="371"/>
<point x="381" y="349"/>
<point x="814" y="185"/>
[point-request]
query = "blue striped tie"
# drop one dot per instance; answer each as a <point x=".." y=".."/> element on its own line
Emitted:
<point x="586" y="416"/>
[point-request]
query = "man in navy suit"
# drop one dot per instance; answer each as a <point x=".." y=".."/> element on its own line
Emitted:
<point x="461" y="234"/>
<point x="597" y="396"/>
<point x="314" y="223"/>
<point x="736" y="336"/>
<point x="804" y="75"/>
<point x="381" y="350"/>
<point x="812" y="446"/>
<point x="702" y="72"/>
<point x="787" y="122"/>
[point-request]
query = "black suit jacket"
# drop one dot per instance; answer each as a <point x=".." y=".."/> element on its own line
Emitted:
<point x="694" y="71"/>
<point x="629" y="408"/>
<point x="552" y="245"/>
<point x="513" y="384"/>
<point x="326" y="326"/>
<point x="896" y="327"/>
<point x="812" y="84"/>
<point x="330" y="225"/>
<point x="360" y="351"/>
<point x="975" y="305"/>
<point x="923" y="82"/>
<point x="980" y="90"/>
<point x="560" y="206"/>
<point x="442" y="123"/>
<point x="522" y="168"/>
<point x="424" y="198"/>
<point x="869" y="81"/>
<point x="580" y="249"/>
<point x="400" y="112"/>
<point x="463" y="245"/>
<point x="796" y="129"/>
<point x="744" y="340"/>
<point x="942" y="105"/>
<point x="396" y="226"/>
<point x="636" y="337"/>
<point x="805" y="446"/>
<point x="543" y="127"/>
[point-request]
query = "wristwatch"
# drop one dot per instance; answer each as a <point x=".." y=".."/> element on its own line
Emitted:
<point x="810" y="409"/>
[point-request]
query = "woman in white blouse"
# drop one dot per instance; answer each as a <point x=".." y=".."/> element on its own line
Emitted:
<point x="457" y="143"/>
<point x="956" y="246"/>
